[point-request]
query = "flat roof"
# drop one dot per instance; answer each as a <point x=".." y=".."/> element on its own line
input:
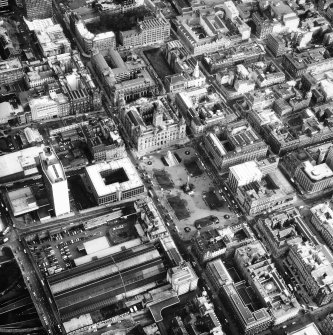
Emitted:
<point x="19" y="161"/>
<point x="310" y="329"/>
<point x="219" y="272"/>
<point x="22" y="201"/>
<point x="96" y="244"/>
<point x="52" y="166"/>
<point x="317" y="172"/>
<point x="94" y="173"/>
<point x="107" y="251"/>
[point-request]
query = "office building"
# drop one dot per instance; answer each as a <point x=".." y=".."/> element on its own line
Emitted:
<point x="10" y="71"/>
<point x="221" y="242"/>
<point x="281" y="230"/>
<point x="310" y="329"/>
<point x="310" y="168"/>
<point x="272" y="192"/>
<point x="218" y="274"/>
<point x="114" y="181"/>
<point x="89" y="41"/>
<point x="52" y="41"/>
<point x="243" y="174"/>
<point x="19" y="164"/>
<point x="327" y="325"/>
<point x="313" y="264"/>
<point x="250" y="321"/>
<point x="243" y="145"/>
<point x="182" y="278"/>
<point x="49" y="106"/>
<point x="322" y="219"/>
<point x="38" y="9"/>
<point x="148" y="31"/>
<point x="152" y="124"/>
<point x="276" y="44"/>
<point x="124" y="81"/>
<point x="55" y="181"/>
<point x="257" y="268"/>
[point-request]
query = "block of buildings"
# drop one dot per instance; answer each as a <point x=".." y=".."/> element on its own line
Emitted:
<point x="281" y="230"/>
<point x="204" y="34"/>
<point x="152" y="224"/>
<point x="19" y="164"/>
<point x="322" y="219"/>
<point x="271" y="193"/>
<point x="149" y="31"/>
<point x="38" y="9"/>
<point x="124" y="81"/>
<point x="218" y="274"/>
<point x="236" y="54"/>
<point x="114" y="181"/>
<point x="313" y="264"/>
<point x="10" y="71"/>
<point x="104" y="141"/>
<point x="52" y="41"/>
<point x="309" y="329"/>
<point x="182" y="278"/>
<point x="258" y="269"/>
<point x="275" y="17"/>
<point x="202" y="110"/>
<point x="243" y="174"/>
<point x="307" y="61"/>
<point x="221" y="242"/>
<point x="310" y="168"/>
<point x="152" y="124"/>
<point x="88" y="40"/>
<point x="239" y="143"/>
<point x="249" y="321"/>
<point x="327" y="325"/>
<point x="55" y="181"/>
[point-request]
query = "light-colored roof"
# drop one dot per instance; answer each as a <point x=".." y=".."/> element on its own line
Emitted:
<point x="51" y="166"/>
<point x="94" y="173"/>
<point x="310" y="329"/>
<point x="317" y="172"/>
<point x="96" y="244"/>
<point x="108" y="251"/>
<point x="246" y="172"/>
<point x="39" y="24"/>
<point x="219" y="271"/>
<point x="16" y="162"/>
<point x="22" y="201"/>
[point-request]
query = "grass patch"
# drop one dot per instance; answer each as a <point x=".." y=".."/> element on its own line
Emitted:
<point x="179" y="207"/>
<point x="163" y="179"/>
<point x="212" y="200"/>
<point x="158" y="62"/>
<point x="193" y="168"/>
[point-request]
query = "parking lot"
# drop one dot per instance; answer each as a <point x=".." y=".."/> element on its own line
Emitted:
<point x="196" y="204"/>
<point x="56" y="251"/>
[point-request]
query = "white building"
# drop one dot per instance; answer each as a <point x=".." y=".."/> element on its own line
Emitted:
<point x="243" y="174"/>
<point x="231" y="12"/>
<point x="182" y="279"/>
<point x="55" y="181"/>
<point x="114" y="181"/>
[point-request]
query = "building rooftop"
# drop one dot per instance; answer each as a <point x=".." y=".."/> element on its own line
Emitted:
<point x="123" y="176"/>
<point x="318" y="261"/>
<point x="245" y="172"/>
<point x="219" y="271"/>
<point x="22" y="201"/>
<point x="310" y="329"/>
<point x="20" y="161"/>
<point x="317" y="172"/>
<point x="51" y="166"/>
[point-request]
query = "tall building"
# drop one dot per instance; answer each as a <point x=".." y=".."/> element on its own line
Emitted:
<point x="38" y="9"/>
<point x="55" y="181"/>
